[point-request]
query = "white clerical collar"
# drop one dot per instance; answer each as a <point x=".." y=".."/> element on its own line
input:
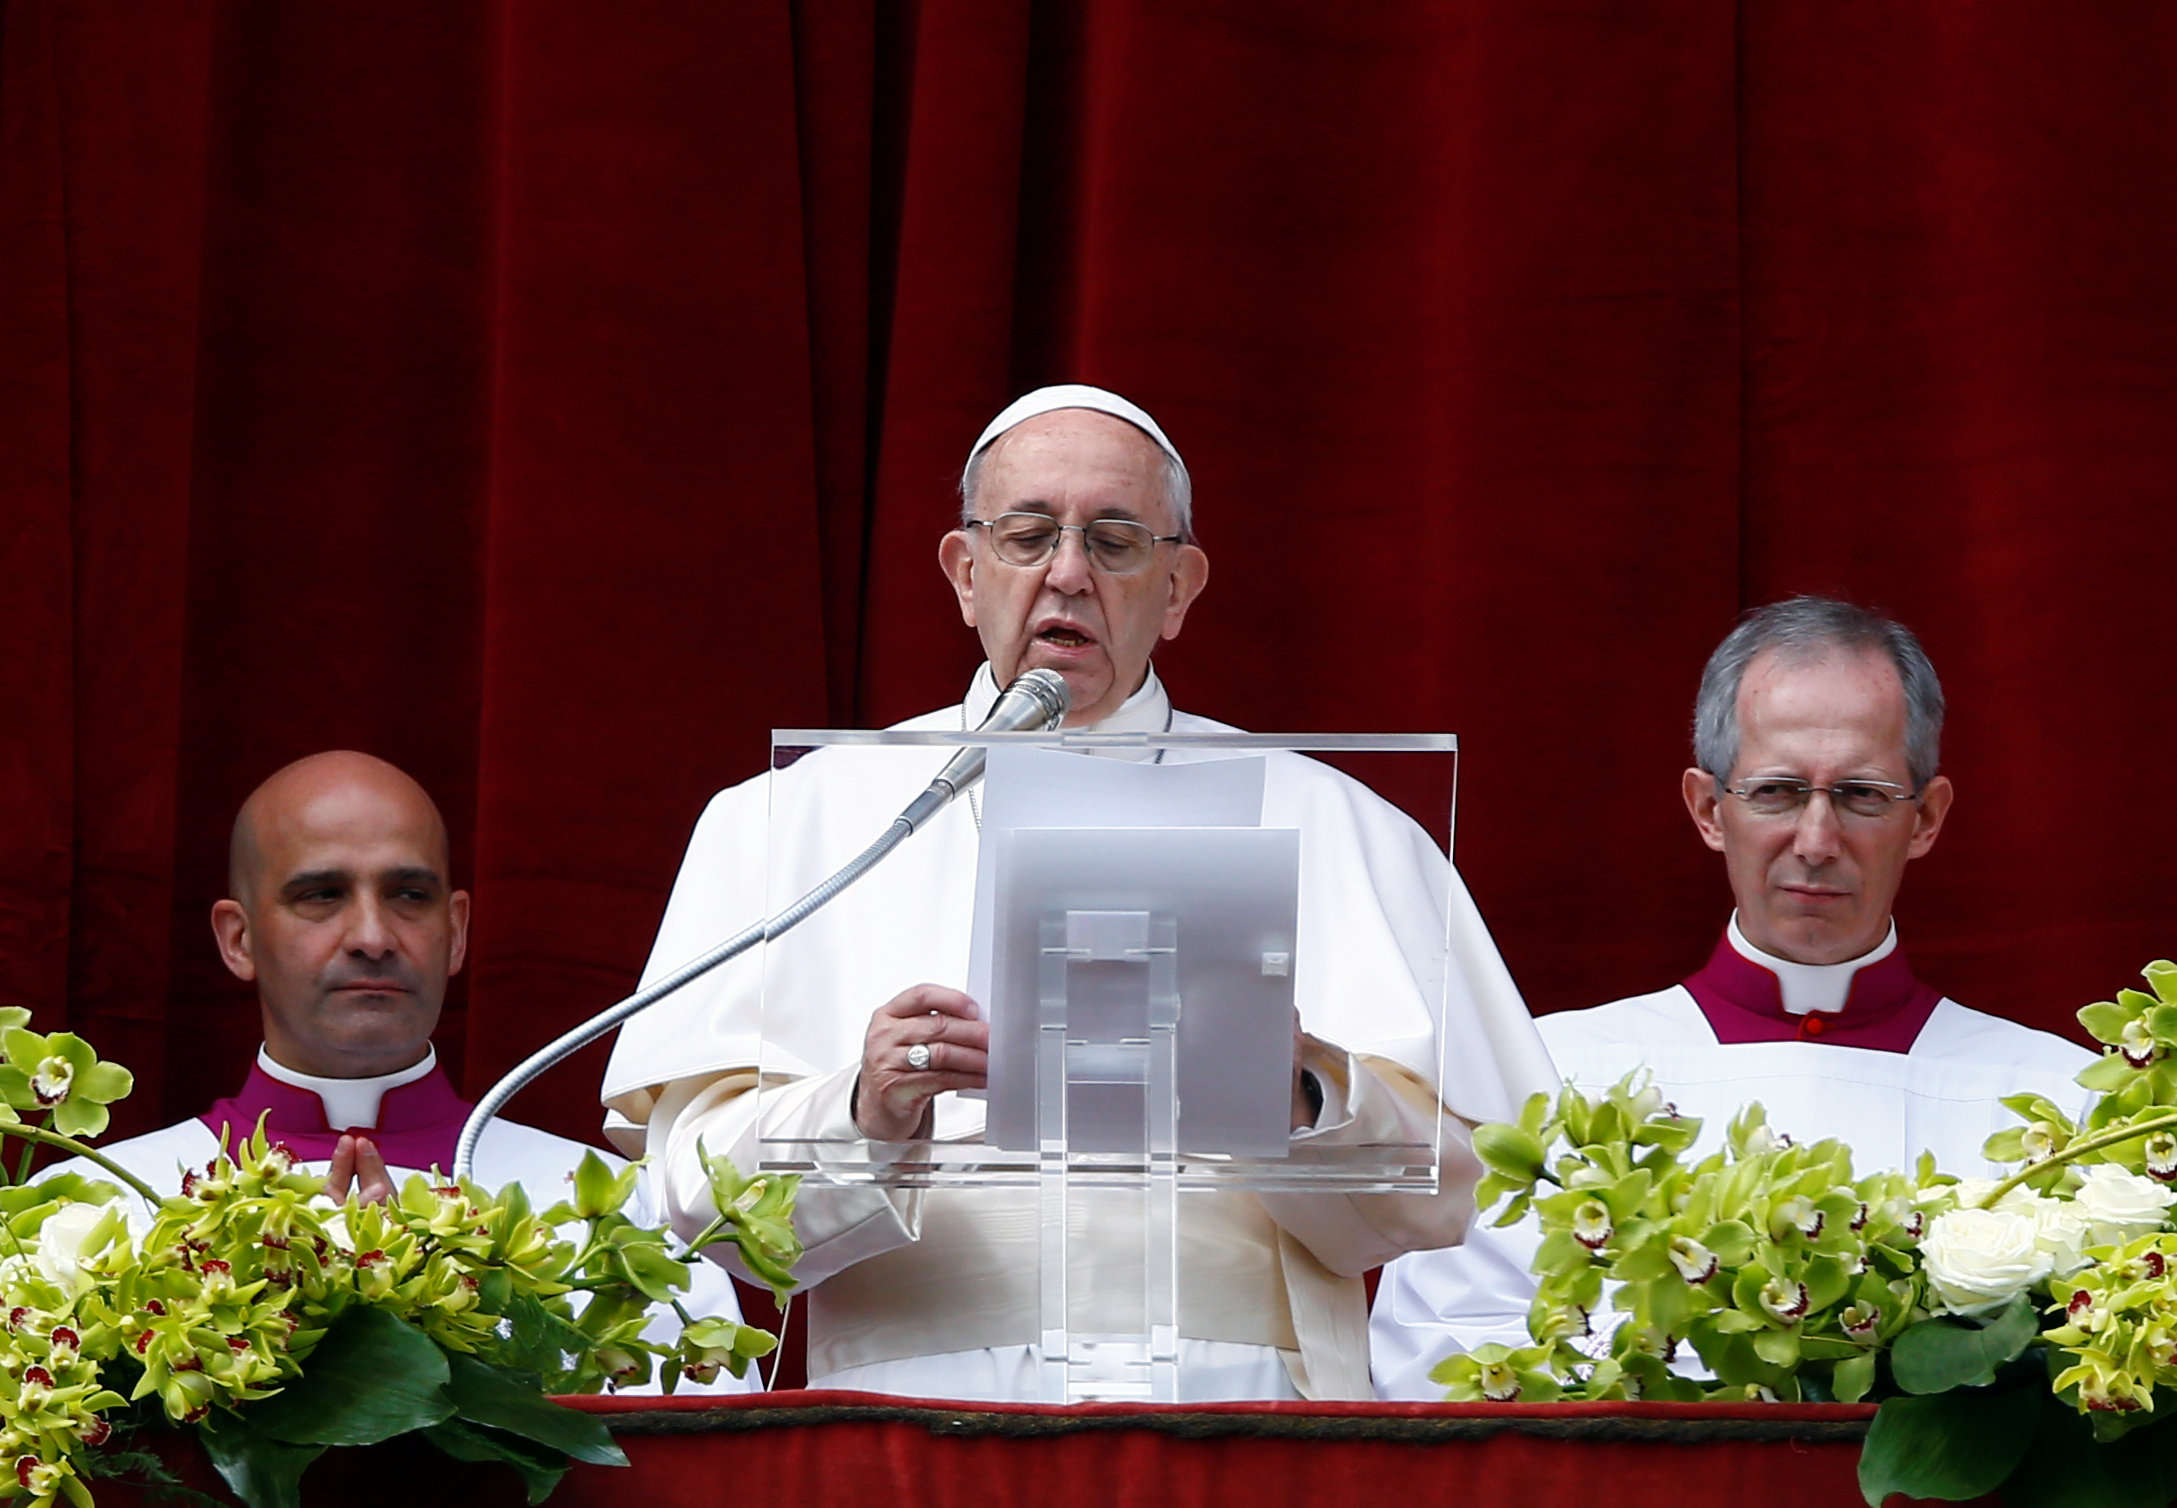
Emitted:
<point x="1808" y="987"/>
<point x="1148" y="710"/>
<point x="349" y="1102"/>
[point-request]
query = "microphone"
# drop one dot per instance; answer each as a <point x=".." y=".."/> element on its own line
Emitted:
<point x="1037" y="699"/>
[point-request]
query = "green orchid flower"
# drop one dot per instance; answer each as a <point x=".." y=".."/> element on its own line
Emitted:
<point x="1499" y="1374"/>
<point x="710" y="1346"/>
<point x="757" y="1216"/>
<point x="61" y="1074"/>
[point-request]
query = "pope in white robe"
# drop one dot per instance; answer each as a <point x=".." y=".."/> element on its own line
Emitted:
<point x="933" y="1293"/>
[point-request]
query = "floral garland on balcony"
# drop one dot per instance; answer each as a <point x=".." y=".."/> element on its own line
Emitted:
<point x="276" y="1323"/>
<point x="2018" y="1334"/>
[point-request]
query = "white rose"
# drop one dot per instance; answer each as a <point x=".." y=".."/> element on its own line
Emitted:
<point x="2059" y="1230"/>
<point x="59" y="1253"/>
<point x="2118" y="1204"/>
<point x="2062" y="1234"/>
<point x="1979" y="1260"/>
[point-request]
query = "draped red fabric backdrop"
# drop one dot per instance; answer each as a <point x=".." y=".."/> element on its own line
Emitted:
<point x="554" y="397"/>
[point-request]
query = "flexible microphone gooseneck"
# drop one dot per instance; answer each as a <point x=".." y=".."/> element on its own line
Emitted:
<point x="1038" y="699"/>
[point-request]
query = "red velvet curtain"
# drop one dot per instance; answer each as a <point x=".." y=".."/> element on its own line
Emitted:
<point x="554" y="397"/>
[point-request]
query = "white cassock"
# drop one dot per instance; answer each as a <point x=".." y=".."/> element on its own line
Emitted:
<point x="507" y="1153"/>
<point x="933" y="1293"/>
<point x="1935" y="1088"/>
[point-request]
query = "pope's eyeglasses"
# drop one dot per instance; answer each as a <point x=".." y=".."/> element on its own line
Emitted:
<point x="1115" y="546"/>
<point x="1782" y="796"/>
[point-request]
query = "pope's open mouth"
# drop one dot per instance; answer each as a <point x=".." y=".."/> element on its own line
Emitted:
<point x="1064" y="638"/>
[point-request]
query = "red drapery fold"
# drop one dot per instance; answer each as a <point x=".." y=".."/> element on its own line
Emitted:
<point x="554" y="398"/>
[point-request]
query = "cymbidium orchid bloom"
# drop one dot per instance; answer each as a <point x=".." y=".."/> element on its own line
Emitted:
<point x="1695" y="1262"/>
<point x="60" y="1074"/>
<point x="1499" y="1374"/>
<point x="2039" y="1141"/>
<point x="1499" y="1382"/>
<point x="2161" y="1157"/>
<point x="2138" y="1045"/>
<point x="40" y="1479"/>
<point x="1796" y="1213"/>
<point x="2105" y="1385"/>
<point x="1784" y="1300"/>
<point x="1591" y="1224"/>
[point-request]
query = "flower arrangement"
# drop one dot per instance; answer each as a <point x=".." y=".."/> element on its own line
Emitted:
<point x="2018" y="1334"/>
<point x="276" y="1323"/>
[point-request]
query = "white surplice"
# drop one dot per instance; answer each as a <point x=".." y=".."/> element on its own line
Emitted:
<point x="934" y="1293"/>
<point x="1941" y="1096"/>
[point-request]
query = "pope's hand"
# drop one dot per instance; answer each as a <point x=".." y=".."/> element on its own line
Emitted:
<point x="356" y="1162"/>
<point x="893" y="1096"/>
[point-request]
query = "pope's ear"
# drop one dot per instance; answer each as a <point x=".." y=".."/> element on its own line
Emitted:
<point x="230" y="929"/>
<point x="1702" y="800"/>
<point x="956" y="557"/>
<point x="1190" y="573"/>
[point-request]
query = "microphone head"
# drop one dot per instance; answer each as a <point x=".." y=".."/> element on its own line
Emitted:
<point x="1050" y="691"/>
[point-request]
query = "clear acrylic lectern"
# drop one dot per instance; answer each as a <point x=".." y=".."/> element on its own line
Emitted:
<point x="1138" y="918"/>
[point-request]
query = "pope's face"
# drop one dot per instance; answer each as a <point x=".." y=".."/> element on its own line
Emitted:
<point x="1817" y="887"/>
<point x="1095" y="629"/>
<point x="349" y="929"/>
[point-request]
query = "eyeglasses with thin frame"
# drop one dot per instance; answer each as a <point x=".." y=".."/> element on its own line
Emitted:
<point x="1784" y="796"/>
<point x="1115" y="546"/>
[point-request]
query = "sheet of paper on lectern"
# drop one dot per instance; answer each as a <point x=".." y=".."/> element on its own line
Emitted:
<point x="1106" y="843"/>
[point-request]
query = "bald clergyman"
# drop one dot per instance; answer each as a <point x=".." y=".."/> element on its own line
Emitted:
<point x="1075" y="551"/>
<point x="341" y="911"/>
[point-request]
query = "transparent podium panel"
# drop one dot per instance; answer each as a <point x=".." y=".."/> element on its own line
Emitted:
<point x="1160" y="965"/>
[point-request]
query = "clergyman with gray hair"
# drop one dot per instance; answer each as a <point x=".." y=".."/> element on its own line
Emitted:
<point x="1816" y="736"/>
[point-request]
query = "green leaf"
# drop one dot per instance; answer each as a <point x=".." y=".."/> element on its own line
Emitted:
<point x="2068" y="1468"/>
<point x="485" y="1395"/>
<point x="1853" y="1377"/>
<point x="1937" y="1355"/>
<point x="539" y="1467"/>
<point x="1779" y="1348"/>
<point x="541" y="1341"/>
<point x="264" y="1472"/>
<point x="1947" y="1445"/>
<point x="372" y="1377"/>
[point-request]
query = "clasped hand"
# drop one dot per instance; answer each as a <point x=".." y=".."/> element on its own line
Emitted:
<point x="358" y="1165"/>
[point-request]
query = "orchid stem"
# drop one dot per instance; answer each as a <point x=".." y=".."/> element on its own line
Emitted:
<point x="2167" y="1120"/>
<point x="83" y="1150"/>
<point x="709" y="1234"/>
<point x="22" y="1166"/>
